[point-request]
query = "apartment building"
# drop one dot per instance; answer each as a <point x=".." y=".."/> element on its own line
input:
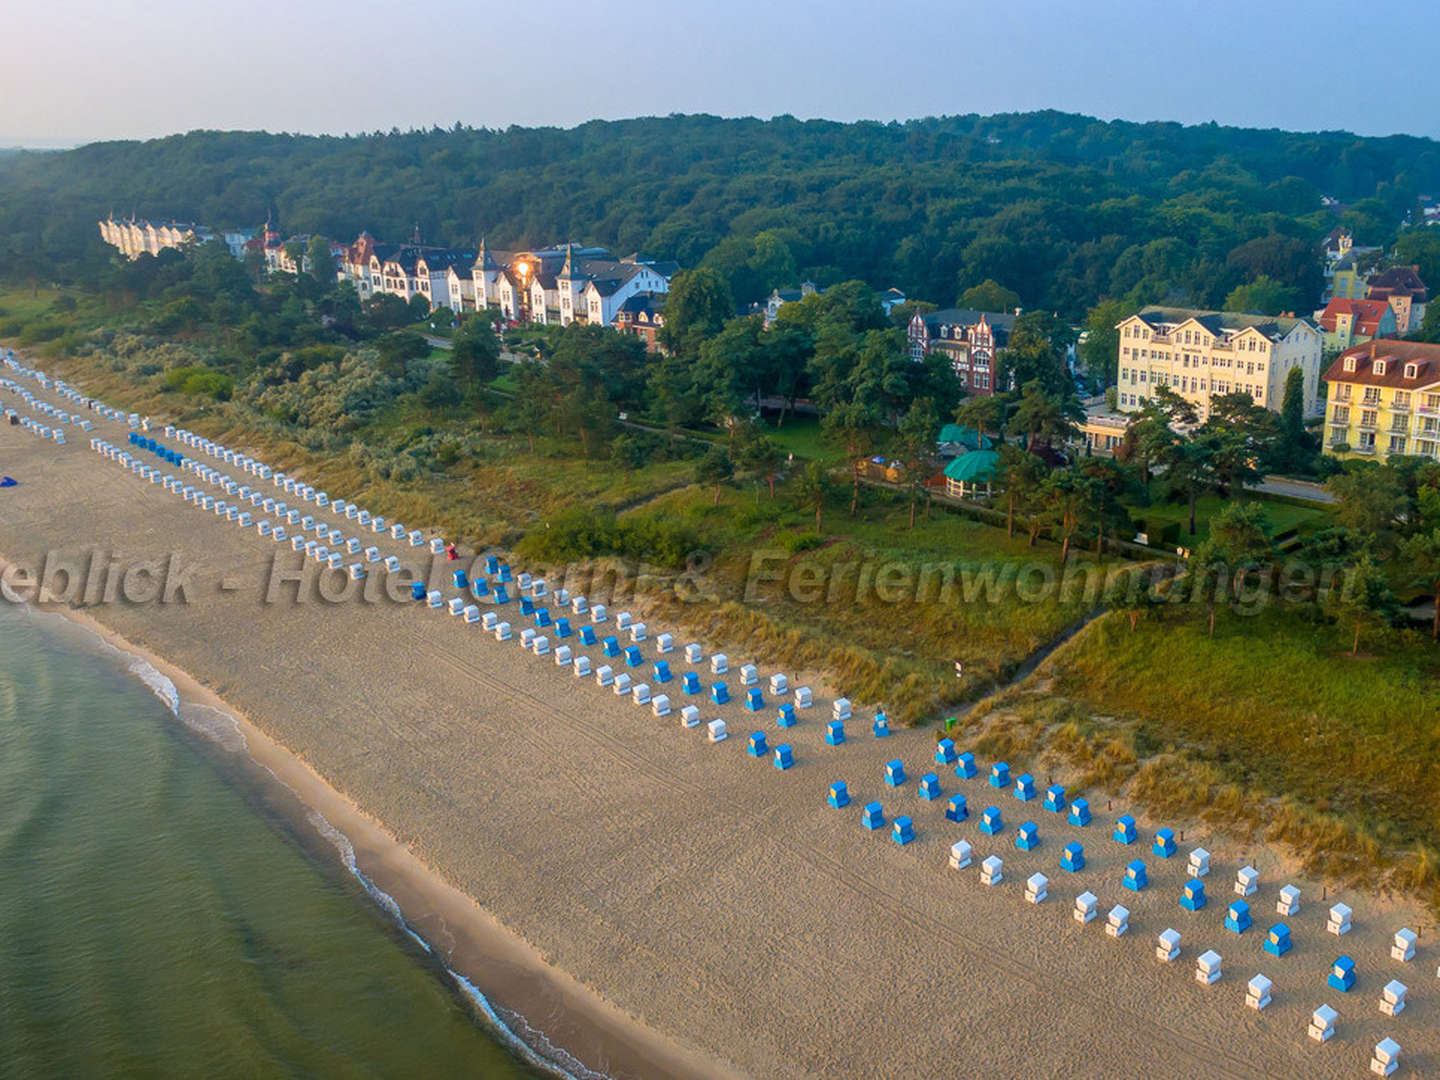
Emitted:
<point x="1204" y="354"/>
<point x="1384" y="400"/>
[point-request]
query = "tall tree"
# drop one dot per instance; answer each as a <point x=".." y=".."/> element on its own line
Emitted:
<point x="1022" y="477"/>
<point x="1421" y="553"/>
<point x="1044" y="418"/>
<point x="919" y="429"/>
<point x="761" y="457"/>
<point x="1368" y="499"/>
<point x="983" y="413"/>
<point x="853" y="426"/>
<point x="474" y="354"/>
<point x="320" y="263"/>
<point x="1364" y="599"/>
<point x="715" y="468"/>
<point x="696" y="307"/>
<point x="1100" y="351"/>
<point x="990" y="295"/>
<point x="1295" y="446"/>
<point x="812" y="489"/>
<point x="1070" y="498"/>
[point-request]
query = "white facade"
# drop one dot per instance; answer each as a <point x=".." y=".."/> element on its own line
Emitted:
<point x="1200" y="355"/>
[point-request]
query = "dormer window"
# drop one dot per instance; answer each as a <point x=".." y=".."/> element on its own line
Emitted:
<point x="1412" y="370"/>
<point x="1350" y="364"/>
<point x="1380" y="366"/>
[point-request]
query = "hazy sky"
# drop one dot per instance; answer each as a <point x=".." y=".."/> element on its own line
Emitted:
<point x="76" y="70"/>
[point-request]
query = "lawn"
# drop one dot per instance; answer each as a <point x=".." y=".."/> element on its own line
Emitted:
<point x="1283" y="515"/>
<point x="1271" y="727"/>
<point x="800" y="436"/>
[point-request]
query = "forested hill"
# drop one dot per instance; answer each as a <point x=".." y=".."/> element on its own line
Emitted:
<point x="1062" y="209"/>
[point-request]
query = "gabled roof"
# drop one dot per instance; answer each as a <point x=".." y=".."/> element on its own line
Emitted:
<point x="1367" y="314"/>
<point x="1398" y="354"/>
<point x="645" y="303"/>
<point x="1403" y="280"/>
<point x="968" y="317"/>
<point x="444" y="258"/>
<point x="1274" y="327"/>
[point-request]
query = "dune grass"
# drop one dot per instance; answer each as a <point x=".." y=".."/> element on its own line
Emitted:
<point x="1269" y="729"/>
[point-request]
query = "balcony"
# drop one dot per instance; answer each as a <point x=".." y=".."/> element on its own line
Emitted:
<point x="1368" y="425"/>
<point x="1400" y="406"/>
<point x="1363" y="449"/>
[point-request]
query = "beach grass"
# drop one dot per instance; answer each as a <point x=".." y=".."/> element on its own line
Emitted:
<point x="1269" y="729"/>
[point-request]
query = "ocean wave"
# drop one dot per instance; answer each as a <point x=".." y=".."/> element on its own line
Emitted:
<point x="549" y="1058"/>
<point x="136" y="665"/>
<point x="533" y="1046"/>
<point x="217" y="725"/>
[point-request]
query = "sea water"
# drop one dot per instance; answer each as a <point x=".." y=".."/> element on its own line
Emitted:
<point x="160" y="916"/>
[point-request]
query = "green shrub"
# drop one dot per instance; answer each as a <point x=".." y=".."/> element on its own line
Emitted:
<point x="578" y="534"/>
<point x="200" y="382"/>
<point x="796" y="542"/>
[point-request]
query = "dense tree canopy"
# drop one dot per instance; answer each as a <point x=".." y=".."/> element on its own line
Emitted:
<point x="1062" y="210"/>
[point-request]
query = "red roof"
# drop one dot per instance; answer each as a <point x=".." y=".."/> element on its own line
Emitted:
<point x="1397" y="356"/>
<point x="1367" y="314"/>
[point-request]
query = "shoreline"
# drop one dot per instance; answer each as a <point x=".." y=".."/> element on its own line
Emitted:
<point x="711" y="897"/>
<point x="493" y="967"/>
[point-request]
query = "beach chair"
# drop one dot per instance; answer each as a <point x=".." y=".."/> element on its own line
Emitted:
<point x="960" y="854"/>
<point x="1257" y="993"/>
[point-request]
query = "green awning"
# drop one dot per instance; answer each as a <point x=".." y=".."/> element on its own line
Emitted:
<point x="966" y="437"/>
<point x="976" y="467"/>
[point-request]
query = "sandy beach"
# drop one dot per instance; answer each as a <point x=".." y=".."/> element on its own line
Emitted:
<point x="664" y="906"/>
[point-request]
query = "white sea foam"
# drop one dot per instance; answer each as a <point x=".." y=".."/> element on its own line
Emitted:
<point x="217" y="725"/>
<point x="548" y="1057"/>
<point x="533" y="1047"/>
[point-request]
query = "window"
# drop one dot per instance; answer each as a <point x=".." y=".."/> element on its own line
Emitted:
<point x="1380" y="366"/>
<point x="1340" y="414"/>
<point x="1431" y="401"/>
<point x="1401" y="400"/>
<point x="1397" y="444"/>
<point x="1343" y="392"/>
<point x="1366" y="441"/>
<point x="1412" y="371"/>
<point x="1369" y="418"/>
<point x="1372" y="395"/>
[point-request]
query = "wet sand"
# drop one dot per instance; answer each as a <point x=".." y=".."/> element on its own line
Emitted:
<point x="710" y="914"/>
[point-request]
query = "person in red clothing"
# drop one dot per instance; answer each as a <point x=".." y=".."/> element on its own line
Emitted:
<point x="450" y="553"/>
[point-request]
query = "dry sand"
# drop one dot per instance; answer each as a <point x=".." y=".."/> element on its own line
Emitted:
<point x="706" y="894"/>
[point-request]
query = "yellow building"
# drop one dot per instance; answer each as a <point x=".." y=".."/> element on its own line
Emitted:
<point x="1384" y="399"/>
<point x="1203" y="354"/>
